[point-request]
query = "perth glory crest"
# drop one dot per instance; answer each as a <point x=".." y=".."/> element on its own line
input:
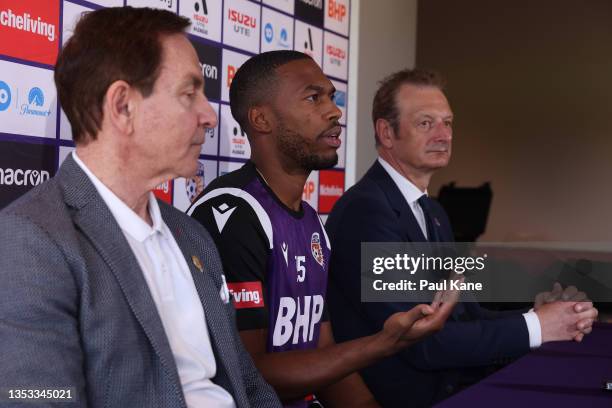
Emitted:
<point x="315" y="246"/>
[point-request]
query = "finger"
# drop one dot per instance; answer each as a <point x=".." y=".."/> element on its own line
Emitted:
<point x="582" y="325"/>
<point x="539" y="300"/>
<point x="582" y="306"/>
<point x="587" y="314"/>
<point x="555" y="294"/>
<point x="428" y="310"/>
<point x="446" y="308"/>
<point x="408" y="317"/>
<point x="578" y="338"/>
<point x="569" y="293"/>
<point x="580" y="297"/>
<point x="437" y="299"/>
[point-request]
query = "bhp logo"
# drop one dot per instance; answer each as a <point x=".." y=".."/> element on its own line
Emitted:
<point x="231" y="72"/>
<point x="336" y="11"/>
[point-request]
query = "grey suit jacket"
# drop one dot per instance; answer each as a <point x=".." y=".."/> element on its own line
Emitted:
<point x="75" y="309"/>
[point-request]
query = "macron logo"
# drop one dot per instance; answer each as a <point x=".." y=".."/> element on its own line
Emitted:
<point x="222" y="214"/>
<point x="285" y="249"/>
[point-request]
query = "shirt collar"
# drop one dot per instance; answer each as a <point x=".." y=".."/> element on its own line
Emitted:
<point x="410" y="192"/>
<point x="127" y="219"/>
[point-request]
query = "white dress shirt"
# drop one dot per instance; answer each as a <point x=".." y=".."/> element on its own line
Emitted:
<point x="178" y="304"/>
<point x="412" y="193"/>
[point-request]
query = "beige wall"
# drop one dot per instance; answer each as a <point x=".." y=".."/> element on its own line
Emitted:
<point x="386" y="43"/>
<point x="530" y="83"/>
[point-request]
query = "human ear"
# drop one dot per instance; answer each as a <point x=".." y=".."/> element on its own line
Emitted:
<point x="261" y="119"/>
<point x="385" y="133"/>
<point x="119" y="106"/>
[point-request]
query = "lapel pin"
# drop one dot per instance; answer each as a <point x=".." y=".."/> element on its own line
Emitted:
<point x="437" y="222"/>
<point x="198" y="264"/>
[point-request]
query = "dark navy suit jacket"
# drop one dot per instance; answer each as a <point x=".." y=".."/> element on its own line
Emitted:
<point x="374" y="210"/>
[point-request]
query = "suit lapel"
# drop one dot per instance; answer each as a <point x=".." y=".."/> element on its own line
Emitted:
<point x="97" y="223"/>
<point x="406" y="218"/>
<point x="208" y="287"/>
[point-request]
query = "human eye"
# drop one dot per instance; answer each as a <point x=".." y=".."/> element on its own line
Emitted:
<point x="424" y="124"/>
<point x="313" y="97"/>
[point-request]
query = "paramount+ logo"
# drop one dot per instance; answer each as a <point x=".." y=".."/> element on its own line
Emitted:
<point x="20" y="177"/>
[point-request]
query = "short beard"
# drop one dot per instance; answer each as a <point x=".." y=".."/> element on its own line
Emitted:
<point x="294" y="146"/>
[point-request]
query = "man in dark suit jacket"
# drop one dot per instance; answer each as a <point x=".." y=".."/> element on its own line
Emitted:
<point x="413" y="124"/>
<point x="109" y="297"/>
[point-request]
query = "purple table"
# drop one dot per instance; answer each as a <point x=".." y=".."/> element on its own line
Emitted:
<point x="562" y="374"/>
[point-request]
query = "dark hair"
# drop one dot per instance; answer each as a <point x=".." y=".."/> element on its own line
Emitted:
<point x="385" y="100"/>
<point x="111" y="44"/>
<point x="255" y="81"/>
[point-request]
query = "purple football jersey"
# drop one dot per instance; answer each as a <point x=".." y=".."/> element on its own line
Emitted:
<point x="275" y="260"/>
<point x="297" y="273"/>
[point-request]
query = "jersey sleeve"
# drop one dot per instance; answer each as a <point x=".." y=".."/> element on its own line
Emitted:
<point x="244" y="248"/>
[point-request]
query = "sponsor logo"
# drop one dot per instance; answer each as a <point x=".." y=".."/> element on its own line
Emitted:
<point x="284" y="36"/>
<point x="22" y="167"/>
<point x="246" y="294"/>
<point x="239" y="141"/>
<point x="310" y="11"/>
<point x="326" y="190"/>
<point x="331" y="187"/>
<point x="164" y="192"/>
<point x="340" y="98"/>
<point x="309" y="188"/>
<point x="196" y="7"/>
<point x="36" y="99"/>
<point x="210" y="65"/>
<point x="309" y="44"/>
<point x="313" y="3"/>
<point x="195" y="185"/>
<point x="224" y="291"/>
<point x="231" y="71"/>
<point x="209" y="71"/>
<point x="336" y="10"/>
<point x="222" y="214"/>
<point x="29" y="30"/>
<point x="336" y="55"/>
<point x="28" y="23"/>
<point x="5" y="96"/>
<point x="20" y="177"/>
<point x="268" y="33"/>
<point x="297" y="315"/>
<point x="199" y="19"/>
<point x="244" y="24"/>
<point x="285" y="250"/>
<point x="315" y="247"/>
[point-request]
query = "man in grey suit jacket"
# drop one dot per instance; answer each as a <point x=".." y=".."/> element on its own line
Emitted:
<point x="109" y="298"/>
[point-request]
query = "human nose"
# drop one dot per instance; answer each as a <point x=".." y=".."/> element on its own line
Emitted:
<point x="444" y="131"/>
<point x="333" y="113"/>
<point x="206" y="116"/>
